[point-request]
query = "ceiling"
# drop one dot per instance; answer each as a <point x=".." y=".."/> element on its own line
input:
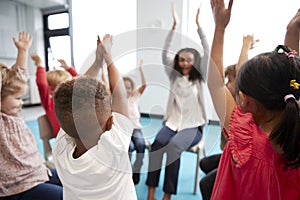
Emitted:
<point x="42" y="4"/>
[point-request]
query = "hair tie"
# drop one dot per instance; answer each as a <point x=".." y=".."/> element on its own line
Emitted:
<point x="294" y="84"/>
<point x="291" y="54"/>
<point x="288" y="96"/>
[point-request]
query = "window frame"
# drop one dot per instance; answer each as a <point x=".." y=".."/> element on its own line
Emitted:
<point x="48" y="33"/>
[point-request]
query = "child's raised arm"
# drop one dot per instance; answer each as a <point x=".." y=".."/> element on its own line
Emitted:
<point x="116" y="84"/>
<point x="292" y="33"/>
<point x="144" y="84"/>
<point x="22" y="44"/>
<point x="221" y="97"/>
<point x="248" y="43"/>
<point x="63" y="64"/>
<point x="98" y="63"/>
<point x="37" y="60"/>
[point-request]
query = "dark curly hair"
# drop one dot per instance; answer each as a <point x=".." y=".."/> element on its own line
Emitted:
<point x="82" y="105"/>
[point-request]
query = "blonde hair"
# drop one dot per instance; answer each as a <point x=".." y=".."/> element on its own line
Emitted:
<point x="55" y="77"/>
<point x="13" y="79"/>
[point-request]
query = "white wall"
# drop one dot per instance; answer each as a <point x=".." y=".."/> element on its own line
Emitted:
<point x="16" y="17"/>
<point x="98" y="17"/>
<point x="141" y="26"/>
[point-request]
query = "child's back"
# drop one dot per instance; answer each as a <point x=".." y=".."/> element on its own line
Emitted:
<point x="91" y="151"/>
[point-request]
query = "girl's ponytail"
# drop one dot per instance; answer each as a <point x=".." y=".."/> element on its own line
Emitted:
<point x="287" y="133"/>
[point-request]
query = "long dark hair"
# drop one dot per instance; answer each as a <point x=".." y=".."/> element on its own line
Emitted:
<point x="195" y="71"/>
<point x="267" y="78"/>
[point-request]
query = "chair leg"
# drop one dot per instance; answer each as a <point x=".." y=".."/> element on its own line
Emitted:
<point x="197" y="173"/>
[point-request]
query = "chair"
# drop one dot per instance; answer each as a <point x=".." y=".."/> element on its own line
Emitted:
<point x="197" y="149"/>
<point x="148" y="145"/>
<point x="46" y="133"/>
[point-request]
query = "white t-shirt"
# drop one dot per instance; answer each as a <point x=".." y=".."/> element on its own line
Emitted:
<point x="133" y="109"/>
<point x="103" y="172"/>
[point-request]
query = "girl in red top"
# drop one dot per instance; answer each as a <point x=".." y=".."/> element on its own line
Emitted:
<point x="261" y="158"/>
<point x="47" y="83"/>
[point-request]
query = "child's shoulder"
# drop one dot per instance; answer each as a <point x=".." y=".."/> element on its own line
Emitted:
<point x="122" y="122"/>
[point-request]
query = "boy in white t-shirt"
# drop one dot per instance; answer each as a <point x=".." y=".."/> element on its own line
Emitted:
<point x="91" y="150"/>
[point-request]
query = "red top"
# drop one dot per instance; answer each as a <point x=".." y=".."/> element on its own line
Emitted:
<point x="259" y="172"/>
<point x="46" y="100"/>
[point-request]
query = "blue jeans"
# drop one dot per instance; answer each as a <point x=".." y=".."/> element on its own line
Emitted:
<point x="173" y="144"/>
<point x="137" y="143"/>
<point x="50" y="190"/>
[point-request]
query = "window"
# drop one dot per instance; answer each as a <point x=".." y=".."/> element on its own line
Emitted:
<point x="57" y="38"/>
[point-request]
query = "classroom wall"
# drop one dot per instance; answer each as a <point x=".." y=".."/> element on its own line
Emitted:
<point x="16" y="17"/>
<point x="139" y="32"/>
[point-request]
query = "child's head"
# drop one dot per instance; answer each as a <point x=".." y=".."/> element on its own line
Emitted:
<point x="129" y="85"/>
<point x="83" y="107"/>
<point x="187" y="62"/>
<point x="267" y="78"/>
<point x="230" y="75"/>
<point x="13" y="88"/>
<point x="55" y="77"/>
<point x="272" y="80"/>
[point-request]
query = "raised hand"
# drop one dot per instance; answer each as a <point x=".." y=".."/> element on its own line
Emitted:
<point x="22" y="44"/>
<point x="37" y="60"/>
<point x="98" y="63"/>
<point x="107" y="44"/>
<point x="221" y="14"/>
<point x="63" y="64"/>
<point x="144" y="84"/>
<point x="24" y="41"/>
<point x="175" y="16"/>
<point x="141" y="63"/>
<point x="249" y="41"/>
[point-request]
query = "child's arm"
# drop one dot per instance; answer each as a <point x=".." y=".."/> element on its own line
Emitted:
<point x="292" y="33"/>
<point x="217" y="88"/>
<point x="68" y="68"/>
<point x="116" y="84"/>
<point x="248" y="43"/>
<point x="22" y="44"/>
<point x="41" y="80"/>
<point x="37" y="60"/>
<point x="103" y="79"/>
<point x="144" y="84"/>
<point x="98" y="63"/>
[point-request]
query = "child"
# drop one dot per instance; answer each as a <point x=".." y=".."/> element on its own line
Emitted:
<point x="185" y="114"/>
<point x="47" y="82"/>
<point x="22" y="170"/>
<point x="210" y="164"/>
<point x="137" y="141"/>
<point x="261" y="158"/>
<point x="91" y="150"/>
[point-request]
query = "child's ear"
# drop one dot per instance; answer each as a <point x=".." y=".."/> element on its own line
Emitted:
<point x="242" y="99"/>
<point x="109" y="123"/>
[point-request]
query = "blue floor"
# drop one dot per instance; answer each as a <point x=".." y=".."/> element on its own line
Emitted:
<point x="151" y="126"/>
